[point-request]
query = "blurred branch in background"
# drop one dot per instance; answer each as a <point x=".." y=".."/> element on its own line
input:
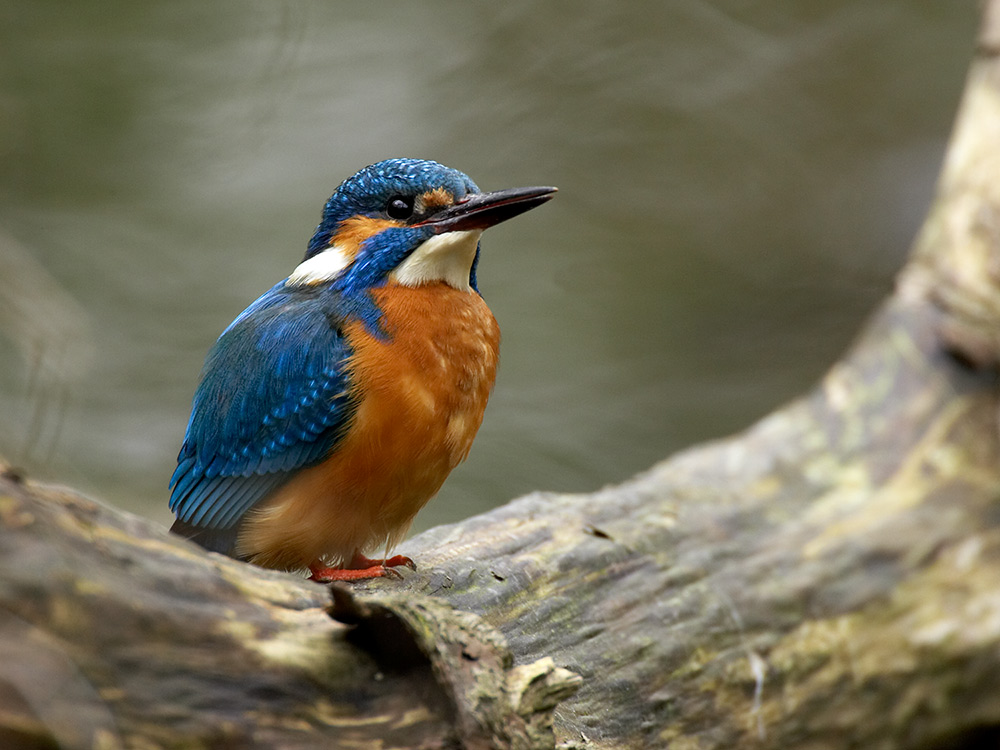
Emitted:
<point x="956" y="261"/>
<point x="52" y="335"/>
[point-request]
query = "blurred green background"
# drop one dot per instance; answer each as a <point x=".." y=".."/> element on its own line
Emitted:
<point x="739" y="181"/>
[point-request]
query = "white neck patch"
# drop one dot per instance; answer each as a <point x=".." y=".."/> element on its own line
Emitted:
<point x="444" y="257"/>
<point x="324" y="266"/>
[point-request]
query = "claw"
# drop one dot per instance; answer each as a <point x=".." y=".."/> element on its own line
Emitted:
<point x="397" y="560"/>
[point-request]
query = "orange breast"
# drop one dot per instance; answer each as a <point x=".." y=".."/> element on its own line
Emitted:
<point x="422" y="393"/>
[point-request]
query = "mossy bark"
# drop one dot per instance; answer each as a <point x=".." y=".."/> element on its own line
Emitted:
<point x="829" y="578"/>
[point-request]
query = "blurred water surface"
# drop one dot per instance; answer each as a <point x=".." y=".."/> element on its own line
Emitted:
<point x="739" y="182"/>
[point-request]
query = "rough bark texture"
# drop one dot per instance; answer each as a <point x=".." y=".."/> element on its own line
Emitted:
<point x="830" y="578"/>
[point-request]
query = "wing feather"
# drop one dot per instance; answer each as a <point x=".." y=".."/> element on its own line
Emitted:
<point x="274" y="397"/>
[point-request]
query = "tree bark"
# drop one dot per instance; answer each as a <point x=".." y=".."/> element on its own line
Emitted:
<point x="829" y="578"/>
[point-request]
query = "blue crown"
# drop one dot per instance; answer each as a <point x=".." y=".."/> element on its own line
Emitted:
<point x="367" y="192"/>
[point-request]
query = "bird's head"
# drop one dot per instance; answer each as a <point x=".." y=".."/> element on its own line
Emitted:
<point x="407" y="221"/>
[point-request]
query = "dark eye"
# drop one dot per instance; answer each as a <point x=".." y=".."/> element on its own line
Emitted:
<point x="399" y="207"/>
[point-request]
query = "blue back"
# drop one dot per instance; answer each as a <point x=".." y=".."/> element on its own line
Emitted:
<point x="274" y="398"/>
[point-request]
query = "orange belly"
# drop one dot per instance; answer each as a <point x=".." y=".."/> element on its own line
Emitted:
<point x="423" y="391"/>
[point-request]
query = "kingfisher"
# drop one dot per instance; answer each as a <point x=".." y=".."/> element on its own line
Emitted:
<point x="335" y="406"/>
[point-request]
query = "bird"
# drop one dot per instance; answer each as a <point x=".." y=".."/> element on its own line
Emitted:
<point x="334" y="407"/>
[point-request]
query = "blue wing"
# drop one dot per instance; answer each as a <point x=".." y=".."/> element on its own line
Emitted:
<point x="274" y="398"/>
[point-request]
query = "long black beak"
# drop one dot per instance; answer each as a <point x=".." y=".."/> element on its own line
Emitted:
<point x="484" y="210"/>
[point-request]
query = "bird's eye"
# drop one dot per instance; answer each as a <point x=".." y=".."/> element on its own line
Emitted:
<point x="399" y="207"/>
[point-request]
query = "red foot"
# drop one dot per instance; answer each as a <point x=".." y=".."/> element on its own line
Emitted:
<point x="359" y="568"/>
<point x="323" y="574"/>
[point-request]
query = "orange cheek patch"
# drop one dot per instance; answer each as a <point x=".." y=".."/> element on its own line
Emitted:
<point x="436" y="199"/>
<point x="353" y="232"/>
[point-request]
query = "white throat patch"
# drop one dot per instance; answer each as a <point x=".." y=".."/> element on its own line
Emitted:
<point x="444" y="257"/>
<point x="323" y="266"/>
